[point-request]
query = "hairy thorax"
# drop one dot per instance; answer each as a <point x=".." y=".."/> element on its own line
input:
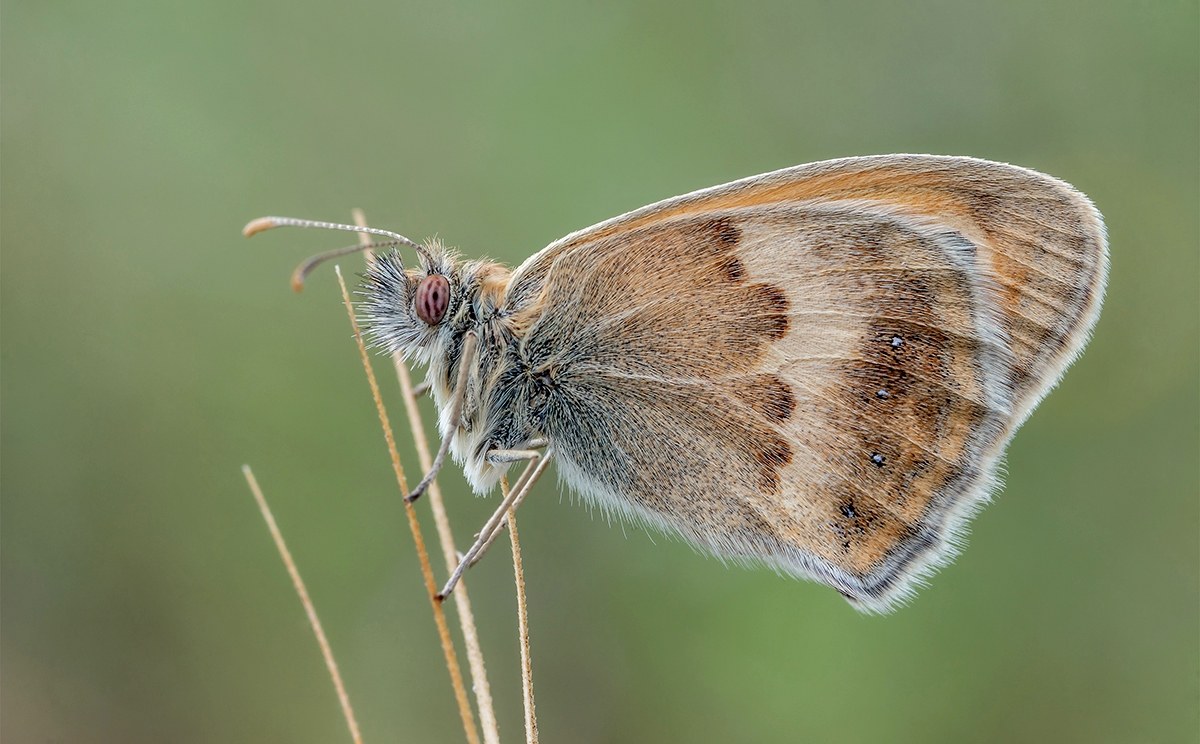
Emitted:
<point x="505" y="394"/>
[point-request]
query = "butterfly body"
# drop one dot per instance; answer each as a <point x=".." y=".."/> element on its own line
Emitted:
<point x="816" y="369"/>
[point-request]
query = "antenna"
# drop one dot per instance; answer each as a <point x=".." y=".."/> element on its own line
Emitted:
<point x="266" y="223"/>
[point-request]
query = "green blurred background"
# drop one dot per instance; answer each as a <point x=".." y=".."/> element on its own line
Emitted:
<point x="148" y="351"/>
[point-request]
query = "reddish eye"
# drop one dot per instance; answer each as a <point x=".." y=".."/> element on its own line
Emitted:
<point x="433" y="297"/>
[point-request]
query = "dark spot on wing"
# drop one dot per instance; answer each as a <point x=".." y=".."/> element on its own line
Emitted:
<point x="772" y="454"/>
<point x="768" y="395"/>
<point x="731" y="270"/>
<point x="984" y="205"/>
<point x="725" y="231"/>
<point x="755" y="524"/>
<point x="767" y="307"/>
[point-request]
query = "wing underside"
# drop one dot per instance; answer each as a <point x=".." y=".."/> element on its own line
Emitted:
<point x="816" y="369"/>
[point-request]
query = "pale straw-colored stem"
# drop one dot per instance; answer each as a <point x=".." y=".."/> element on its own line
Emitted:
<point x="309" y="608"/>
<point x="439" y="615"/>
<point x="531" y="728"/>
<point x="466" y="618"/>
<point x="462" y="600"/>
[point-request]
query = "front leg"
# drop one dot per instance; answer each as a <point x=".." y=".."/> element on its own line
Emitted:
<point x="457" y="399"/>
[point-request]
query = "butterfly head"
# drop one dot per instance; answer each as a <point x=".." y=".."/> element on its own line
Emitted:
<point x="422" y="312"/>
<point x="413" y="310"/>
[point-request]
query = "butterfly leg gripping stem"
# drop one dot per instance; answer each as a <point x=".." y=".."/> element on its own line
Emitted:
<point x="534" y="472"/>
<point x="487" y="535"/>
<point x="465" y="361"/>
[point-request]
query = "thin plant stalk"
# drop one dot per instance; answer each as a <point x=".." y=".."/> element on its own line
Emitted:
<point x="309" y="608"/>
<point x="439" y="615"/>
<point x="531" y="727"/>
<point x="462" y="600"/>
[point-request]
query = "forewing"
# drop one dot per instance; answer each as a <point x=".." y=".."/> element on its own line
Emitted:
<point x="824" y="383"/>
<point x="1040" y="241"/>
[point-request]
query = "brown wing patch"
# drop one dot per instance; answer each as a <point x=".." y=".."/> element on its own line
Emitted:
<point x="847" y="366"/>
<point x="1039" y="239"/>
<point x="771" y="453"/>
<point x="768" y="395"/>
<point x="899" y="384"/>
<point x="627" y="298"/>
<point x="817" y="368"/>
<point x="765" y="309"/>
<point x="858" y="520"/>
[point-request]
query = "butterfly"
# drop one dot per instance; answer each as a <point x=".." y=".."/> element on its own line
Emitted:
<point x="816" y="369"/>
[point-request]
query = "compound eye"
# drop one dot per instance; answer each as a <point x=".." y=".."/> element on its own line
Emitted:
<point x="433" y="297"/>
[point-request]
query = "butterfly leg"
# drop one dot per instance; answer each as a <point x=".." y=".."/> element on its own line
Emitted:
<point x="465" y="362"/>
<point x="534" y="473"/>
<point x="500" y="456"/>
<point x="422" y="389"/>
<point x="537" y="465"/>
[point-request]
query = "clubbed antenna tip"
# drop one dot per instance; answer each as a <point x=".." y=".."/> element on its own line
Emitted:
<point x="254" y="227"/>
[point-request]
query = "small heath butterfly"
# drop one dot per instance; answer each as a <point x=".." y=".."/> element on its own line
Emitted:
<point x="816" y="369"/>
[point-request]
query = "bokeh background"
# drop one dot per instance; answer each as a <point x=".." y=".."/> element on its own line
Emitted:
<point x="148" y="351"/>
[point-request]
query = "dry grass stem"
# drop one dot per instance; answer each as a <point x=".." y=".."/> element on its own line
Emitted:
<point x="462" y="600"/>
<point x="466" y="618"/>
<point x="439" y="615"/>
<point x="531" y="728"/>
<point x="309" y="609"/>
